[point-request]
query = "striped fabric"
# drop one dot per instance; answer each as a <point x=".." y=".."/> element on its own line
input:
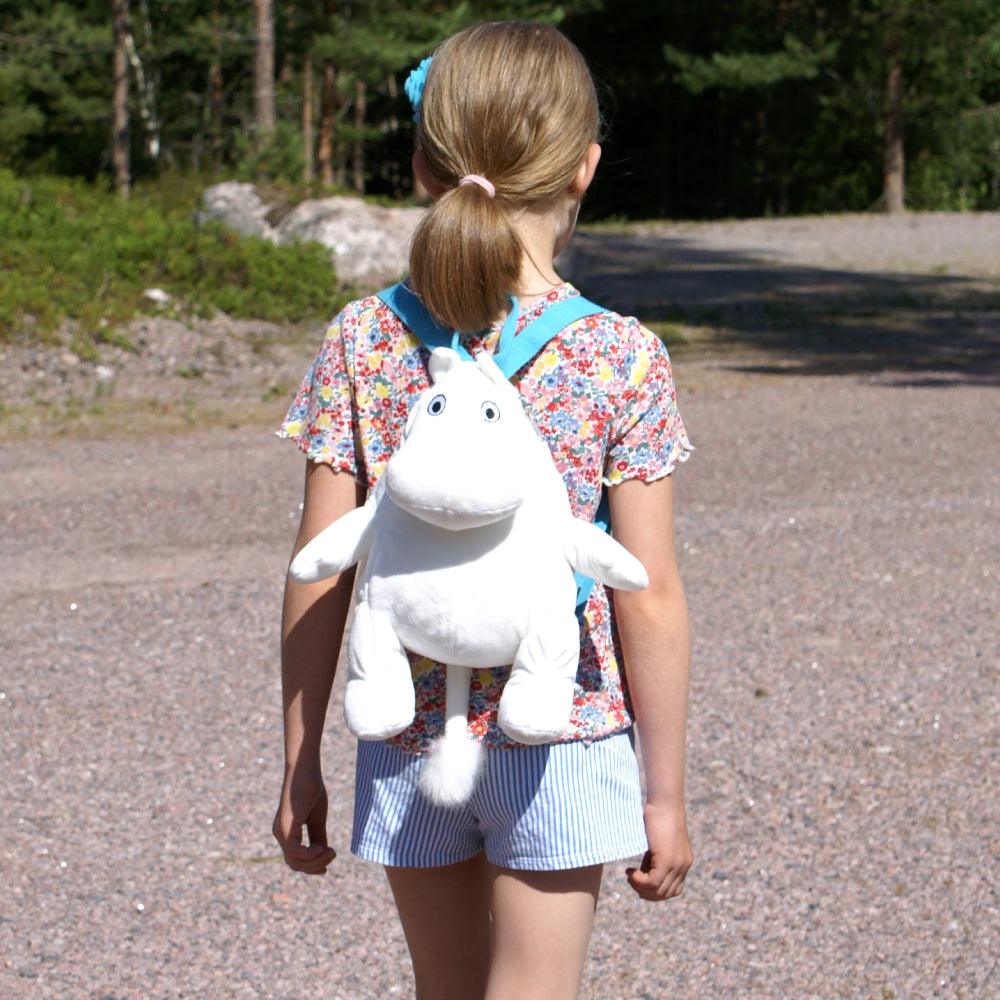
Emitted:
<point x="537" y="808"/>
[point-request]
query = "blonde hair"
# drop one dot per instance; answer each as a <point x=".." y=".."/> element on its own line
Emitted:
<point x="514" y="102"/>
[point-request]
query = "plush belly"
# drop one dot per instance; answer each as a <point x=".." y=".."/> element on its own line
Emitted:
<point x="468" y="609"/>
<point x="453" y="628"/>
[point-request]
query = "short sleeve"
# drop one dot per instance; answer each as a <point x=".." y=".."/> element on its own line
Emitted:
<point x="320" y="419"/>
<point x="648" y="437"/>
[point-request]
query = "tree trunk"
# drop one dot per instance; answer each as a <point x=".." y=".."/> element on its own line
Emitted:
<point x="393" y="91"/>
<point x="340" y="165"/>
<point x="895" y="163"/>
<point x="146" y="92"/>
<point x="263" y="67"/>
<point x="308" y="164"/>
<point x="215" y="97"/>
<point x="358" y="157"/>
<point x="327" y="114"/>
<point x="119" y="99"/>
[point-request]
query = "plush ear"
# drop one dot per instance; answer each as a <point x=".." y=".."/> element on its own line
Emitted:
<point x="443" y="359"/>
<point x="491" y="369"/>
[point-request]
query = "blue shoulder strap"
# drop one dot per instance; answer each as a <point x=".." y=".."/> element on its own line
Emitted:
<point x="407" y="306"/>
<point x="513" y="353"/>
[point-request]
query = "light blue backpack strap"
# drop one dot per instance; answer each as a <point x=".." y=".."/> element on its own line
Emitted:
<point x="513" y="355"/>
<point x="406" y="304"/>
<point x="584" y="584"/>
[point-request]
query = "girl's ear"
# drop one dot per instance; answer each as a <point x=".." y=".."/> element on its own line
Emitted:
<point x="423" y="174"/>
<point x="585" y="172"/>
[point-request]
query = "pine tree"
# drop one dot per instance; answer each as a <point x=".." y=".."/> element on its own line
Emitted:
<point x="263" y="67"/>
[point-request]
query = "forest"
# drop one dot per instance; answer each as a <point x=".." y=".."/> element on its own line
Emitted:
<point x="717" y="108"/>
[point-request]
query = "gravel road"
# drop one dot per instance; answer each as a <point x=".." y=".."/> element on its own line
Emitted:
<point x="839" y="540"/>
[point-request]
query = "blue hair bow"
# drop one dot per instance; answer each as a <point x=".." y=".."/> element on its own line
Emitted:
<point x="414" y="86"/>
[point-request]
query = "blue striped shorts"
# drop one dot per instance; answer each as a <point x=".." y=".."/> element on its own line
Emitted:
<point x="536" y="808"/>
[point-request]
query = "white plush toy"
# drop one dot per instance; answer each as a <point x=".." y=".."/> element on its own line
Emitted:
<point x="467" y="548"/>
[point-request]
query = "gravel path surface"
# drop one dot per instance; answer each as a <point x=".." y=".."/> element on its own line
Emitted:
<point x="839" y="540"/>
<point x="818" y="295"/>
<point x="958" y="243"/>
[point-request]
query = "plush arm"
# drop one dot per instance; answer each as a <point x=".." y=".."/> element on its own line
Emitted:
<point x="335" y="548"/>
<point x="593" y="552"/>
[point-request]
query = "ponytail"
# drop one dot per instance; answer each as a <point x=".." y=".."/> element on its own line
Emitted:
<point x="465" y="259"/>
<point x="510" y="107"/>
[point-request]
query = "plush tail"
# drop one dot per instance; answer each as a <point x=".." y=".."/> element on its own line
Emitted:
<point x="449" y="774"/>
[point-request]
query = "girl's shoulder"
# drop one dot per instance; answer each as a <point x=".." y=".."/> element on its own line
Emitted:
<point x="359" y="314"/>
<point x="613" y="328"/>
<point x="617" y="342"/>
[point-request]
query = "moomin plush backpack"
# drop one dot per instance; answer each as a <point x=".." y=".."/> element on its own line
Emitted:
<point x="468" y="554"/>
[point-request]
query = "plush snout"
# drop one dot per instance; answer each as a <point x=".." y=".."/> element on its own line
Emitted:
<point x="451" y="491"/>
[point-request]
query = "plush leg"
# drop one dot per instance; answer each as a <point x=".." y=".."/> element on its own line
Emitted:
<point x="538" y="696"/>
<point x="379" y="700"/>
<point x="450" y="772"/>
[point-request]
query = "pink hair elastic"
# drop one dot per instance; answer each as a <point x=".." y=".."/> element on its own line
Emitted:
<point x="481" y="181"/>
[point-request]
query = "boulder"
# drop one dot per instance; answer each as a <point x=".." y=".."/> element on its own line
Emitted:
<point x="238" y="207"/>
<point x="370" y="244"/>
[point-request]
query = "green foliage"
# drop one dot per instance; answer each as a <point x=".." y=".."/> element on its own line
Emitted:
<point x="76" y="251"/>
<point x="716" y="108"/>
<point x="768" y="107"/>
<point x="747" y="70"/>
<point x="961" y="171"/>
<point x="54" y="85"/>
<point x="279" y="156"/>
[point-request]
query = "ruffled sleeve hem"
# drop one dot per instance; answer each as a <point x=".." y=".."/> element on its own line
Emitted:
<point x="679" y="453"/>
<point x="293" y="430"/>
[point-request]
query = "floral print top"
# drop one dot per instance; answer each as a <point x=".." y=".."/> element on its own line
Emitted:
<point x="600" y="393"/>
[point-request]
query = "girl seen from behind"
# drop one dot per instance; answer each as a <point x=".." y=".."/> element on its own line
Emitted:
<point x="497" y="897"/>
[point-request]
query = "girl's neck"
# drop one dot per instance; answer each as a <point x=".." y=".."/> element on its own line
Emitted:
<point x="537" y="231"/>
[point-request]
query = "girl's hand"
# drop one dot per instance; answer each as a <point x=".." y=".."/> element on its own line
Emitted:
<point x="303" y="803"/>
<point x="665" y="865"/>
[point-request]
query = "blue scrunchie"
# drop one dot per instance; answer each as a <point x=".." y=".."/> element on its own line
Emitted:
<point x="414" y="86"/>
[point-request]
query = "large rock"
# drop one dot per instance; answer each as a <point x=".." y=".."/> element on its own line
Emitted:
<point x="370" y="244"/>
<point x="238" y="207"/>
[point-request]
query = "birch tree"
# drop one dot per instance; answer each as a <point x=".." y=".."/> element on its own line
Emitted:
<point x="119" y="98"/>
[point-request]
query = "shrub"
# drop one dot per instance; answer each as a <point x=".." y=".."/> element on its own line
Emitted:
<point x="76" y="251"/>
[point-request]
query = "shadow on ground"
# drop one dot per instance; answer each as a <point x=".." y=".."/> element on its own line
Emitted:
<point x="786" y="318"/>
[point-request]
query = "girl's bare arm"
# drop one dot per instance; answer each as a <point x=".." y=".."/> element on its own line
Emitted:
<point x="653" y="628"/>
<point x="312" y="627"/>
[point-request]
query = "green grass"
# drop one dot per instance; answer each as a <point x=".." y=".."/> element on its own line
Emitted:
<point x="74" y="251"/>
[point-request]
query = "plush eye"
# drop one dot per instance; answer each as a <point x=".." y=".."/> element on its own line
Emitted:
<point x="436" y="406"/>
<point x="491" y="412"/>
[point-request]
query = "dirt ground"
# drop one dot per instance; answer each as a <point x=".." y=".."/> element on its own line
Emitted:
<point x="839" y="539"/>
